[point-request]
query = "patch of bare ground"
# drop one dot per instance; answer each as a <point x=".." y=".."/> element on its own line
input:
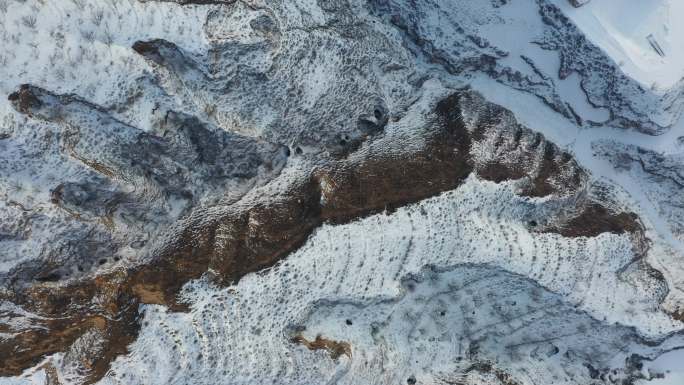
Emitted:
<point x="334" y="348"/>
<point x="594" y="219"/>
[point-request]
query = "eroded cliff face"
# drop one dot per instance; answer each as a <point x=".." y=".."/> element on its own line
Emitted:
<point x="316" y="188"/>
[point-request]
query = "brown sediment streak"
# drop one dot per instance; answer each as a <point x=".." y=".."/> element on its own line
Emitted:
<point x="259" y="231"/>
<point x="334" y="348"/>
<point x="595" y="219"/>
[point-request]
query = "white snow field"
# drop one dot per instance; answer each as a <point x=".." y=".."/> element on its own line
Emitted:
<point x="622" y="29"/>
<point x="672" y="364"/>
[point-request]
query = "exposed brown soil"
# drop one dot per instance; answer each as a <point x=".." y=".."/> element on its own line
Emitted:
<point x="486" y="367"/>
<point x="595" y="219"/>
<point x="678" y="315"/>
<point x="25" y="99"/>
<point x="257" y="232"/>
<point x="334" y="348"/>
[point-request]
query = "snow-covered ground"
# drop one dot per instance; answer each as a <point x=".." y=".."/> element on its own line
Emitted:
<point x="84" y="46"/>
<point x="643" y="194"/>
<point x="671" y="364"/>
<point x="622" y="29"/>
